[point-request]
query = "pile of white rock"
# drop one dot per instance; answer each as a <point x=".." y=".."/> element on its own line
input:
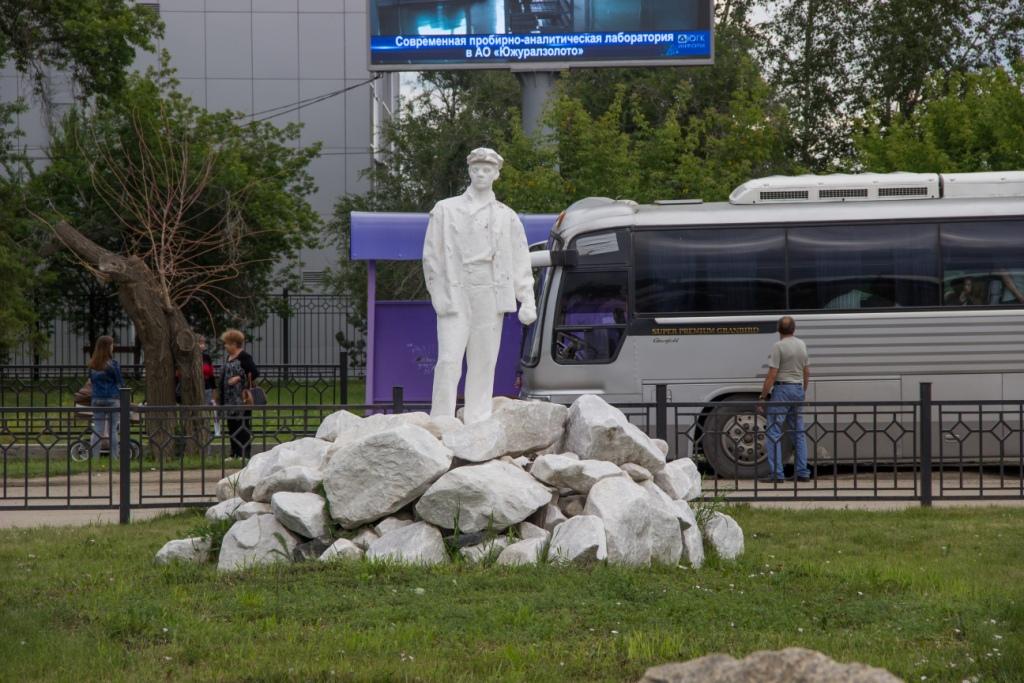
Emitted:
<point x="537" y="481"/>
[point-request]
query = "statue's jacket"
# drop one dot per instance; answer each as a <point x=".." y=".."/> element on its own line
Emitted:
<point x="442" y="257"/>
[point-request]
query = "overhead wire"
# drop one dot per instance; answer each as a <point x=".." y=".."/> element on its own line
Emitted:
<point x="283" y="109"/>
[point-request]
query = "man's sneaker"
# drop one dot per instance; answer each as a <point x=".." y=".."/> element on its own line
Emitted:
<point x="803" y="479"/>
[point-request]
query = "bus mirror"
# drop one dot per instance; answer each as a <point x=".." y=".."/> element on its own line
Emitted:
<point x="546" y="259"/>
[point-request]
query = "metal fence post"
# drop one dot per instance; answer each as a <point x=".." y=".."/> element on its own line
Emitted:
<point x="343" y="368"/>
<point x="286" y="344"/>
<point x="925" y="428"/>
<point x="398" y="399"/>
<point x="661" y="411"/>
<point x="124" y="453"/>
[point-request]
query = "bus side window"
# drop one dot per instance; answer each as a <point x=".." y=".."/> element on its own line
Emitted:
<point x="590" y="321"/>
<point x="990" y="255"/>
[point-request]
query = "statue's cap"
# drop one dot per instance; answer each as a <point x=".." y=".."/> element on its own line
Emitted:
<point x="484" y="155"/>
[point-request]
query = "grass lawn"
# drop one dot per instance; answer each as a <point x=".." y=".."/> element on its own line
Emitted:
<point x="923" y="593"/>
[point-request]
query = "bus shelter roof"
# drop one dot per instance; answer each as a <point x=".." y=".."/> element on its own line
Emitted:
<point x="399" y="236"/>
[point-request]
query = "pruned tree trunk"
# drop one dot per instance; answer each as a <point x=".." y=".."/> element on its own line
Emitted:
<point x="168" y="343"/>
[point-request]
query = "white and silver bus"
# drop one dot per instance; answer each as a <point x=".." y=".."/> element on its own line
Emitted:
<point x="893" y="279"/>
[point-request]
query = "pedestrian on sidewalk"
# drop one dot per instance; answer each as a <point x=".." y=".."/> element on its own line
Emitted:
<point x="106" y="380"/>
<point x="789" y="372"/>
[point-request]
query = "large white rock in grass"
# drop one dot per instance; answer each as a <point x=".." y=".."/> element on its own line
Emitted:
<point x="528" y="551"/>
<point x="476" y="497"/>
<point x="527" y="530"/>
<point x="251" y="509"/>
<point x="579" y="539"/>
<point x="477" y="442"/>
<point x="195" y="550"/>
<point x="725" y="536"/>
<point x="680" y="479"/>
<point x="297" y="479"/>
<point x="638" y="529"/>
<point x="336" y="423"/>
<point x="382" y="473"/>
<point x="391" y="523"/>
<point x="598" y="431"/>
<point x="254" y="541"/>
<point x="582" y="477"/>
<point x="364" y="537"/>
<point x="779" y="666"/>
<point x="487" y="550"/>
<point x="417" y="543"/>
<point x="303" y="513"/>
<point x="342" y="549"/>
<point x="693" y="541"/>
<point x="228" y="487"/>
<point x="553" y="516"/>
<point x="223" y="510"/>
<point x="530" y="425"/>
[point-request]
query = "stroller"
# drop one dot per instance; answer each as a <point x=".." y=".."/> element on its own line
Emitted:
<point x="81" y="449"/>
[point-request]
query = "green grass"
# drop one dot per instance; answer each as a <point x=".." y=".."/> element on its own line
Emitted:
<point x="923" y="593"/>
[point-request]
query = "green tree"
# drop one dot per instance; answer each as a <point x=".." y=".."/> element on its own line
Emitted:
<point x="967" y="122"/>
<point x="94" y="42"/>
<point x="195" y="210"/>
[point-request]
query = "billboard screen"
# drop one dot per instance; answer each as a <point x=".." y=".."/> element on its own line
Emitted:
<point x="411" y="35"/>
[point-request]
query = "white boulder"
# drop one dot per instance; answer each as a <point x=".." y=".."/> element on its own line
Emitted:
<point x="477" y="442"/>
<point x="254" y="541"/>
<point x="693" y="542"/>
<point x="524" y="552"/>
<point x="579" y="539"/>
<point x="551" y="468"/>
<point x="305" y="452"/>
<point x="195" y="550"/>
<point x="382" y="473"/>
<point x="725" y="536"/>
<point x="553" y="516"/>
<point x="476" y="497"/>
<point x="335" y="423"/>
<point x="364" y="537"/>
<point x="303" y="513"/>
<point x="530" y="425"/>
<point x="342" y="549"/>
<point x="297" y="479"/>
<point x="223" y="510"/>
<point x="228" y="487"/>
<point x="391" y="523"/>
<point x="679" y="479"/>
<point x="637" y="473"/>
<point x="488" y="549"/>
<point x="661" y="445"/>
<point x="417" y="543"/>
<point x="638" y="529"/>
<point x="251" y="509"/>
<point x="381" y="422"/>
<point x="527" y="530"/>
<point x="598" y="431"/>
<point x="258" y="467"/>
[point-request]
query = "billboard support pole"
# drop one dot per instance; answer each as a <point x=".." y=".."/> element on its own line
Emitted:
<point x="537" y="88"/>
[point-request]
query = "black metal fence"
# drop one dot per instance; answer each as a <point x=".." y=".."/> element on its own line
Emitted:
<point x="311" y="332"/>
<point x="921" y="451"/>
<point x="55" y="385"/>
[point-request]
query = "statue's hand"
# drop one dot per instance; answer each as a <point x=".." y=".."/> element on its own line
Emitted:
<point x="528" y="313"/>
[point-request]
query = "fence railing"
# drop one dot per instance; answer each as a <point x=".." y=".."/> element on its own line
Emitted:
<point x="920" y="451"/>
<point x="55" y="385"/>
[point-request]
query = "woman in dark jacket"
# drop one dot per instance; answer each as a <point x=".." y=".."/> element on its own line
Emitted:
<point x="106" y="380"/>
<point x="238" y="373"/>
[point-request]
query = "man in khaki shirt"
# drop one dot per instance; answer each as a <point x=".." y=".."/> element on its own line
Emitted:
<point x="789" y="372"/>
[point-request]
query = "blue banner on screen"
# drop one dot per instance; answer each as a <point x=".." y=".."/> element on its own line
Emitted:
<point x="411" y="34"/>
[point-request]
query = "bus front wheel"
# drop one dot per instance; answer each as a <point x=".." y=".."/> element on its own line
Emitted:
<point x="734" y="439"/>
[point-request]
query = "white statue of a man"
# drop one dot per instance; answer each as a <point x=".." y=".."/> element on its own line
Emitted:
<point x="477" y="265"/>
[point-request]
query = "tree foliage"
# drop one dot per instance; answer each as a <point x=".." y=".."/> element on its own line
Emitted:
<point x="967" y="122"/>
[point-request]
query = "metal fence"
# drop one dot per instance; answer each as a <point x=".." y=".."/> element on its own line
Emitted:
<point x="920" y="451"/>
<point x="55" y="385"/>
<point x="309" y="334"/>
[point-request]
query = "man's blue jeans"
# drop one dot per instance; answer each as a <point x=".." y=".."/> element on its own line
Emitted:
<point x="794" y="424"/>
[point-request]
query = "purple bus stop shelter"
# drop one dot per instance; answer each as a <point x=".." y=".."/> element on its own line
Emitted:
<point x="401" y="343"/>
